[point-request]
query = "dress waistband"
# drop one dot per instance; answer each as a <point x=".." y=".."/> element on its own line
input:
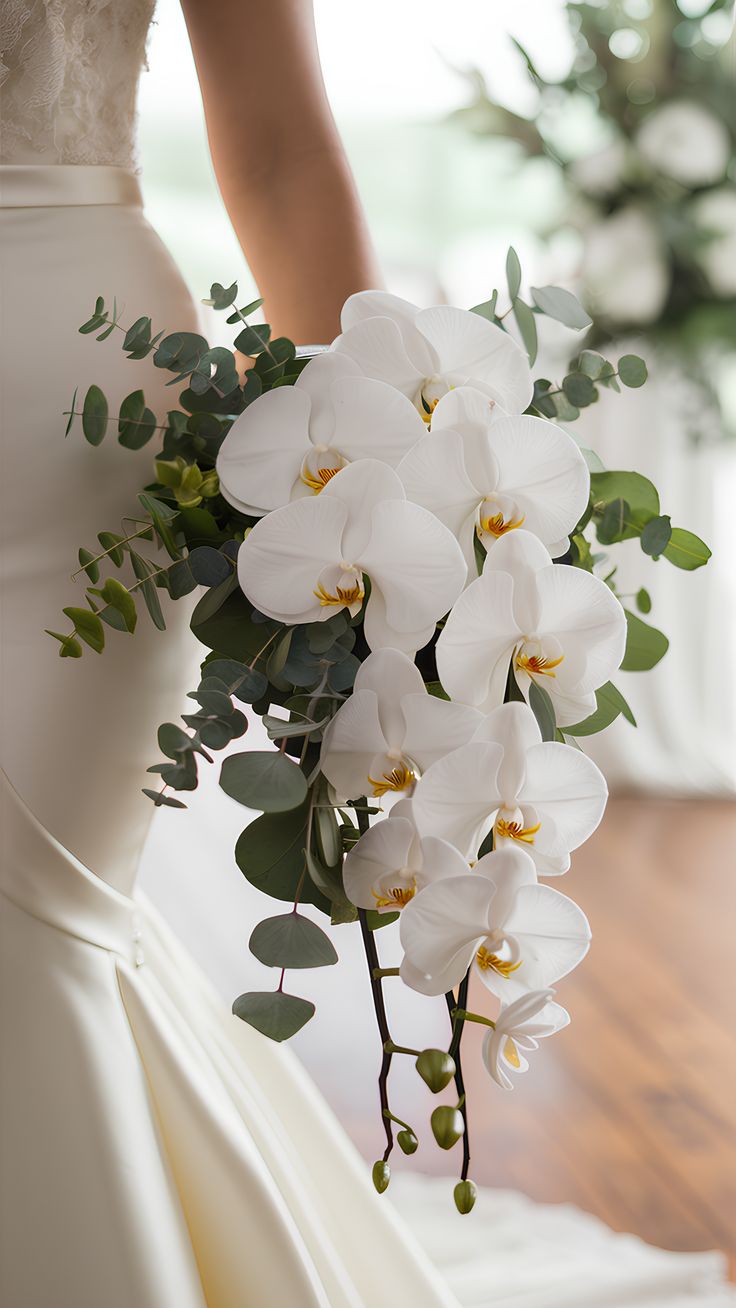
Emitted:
<point x="35" y="186"/>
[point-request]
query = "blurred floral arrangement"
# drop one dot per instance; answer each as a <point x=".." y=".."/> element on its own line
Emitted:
<point x="655" y="200"/>
<point x="405" y="576"/>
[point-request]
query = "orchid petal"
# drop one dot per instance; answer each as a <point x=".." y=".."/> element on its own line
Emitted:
<point x="378" y="347"/>
<point x="440" y="860"/>
<point x="415" y="562"/>
<point x="381" y="634"/>
<point x="351" y="742"/>
<point x="316" y="381"/>
<point x="477" y="350"/>
<point x="588" y="620"/>
<point x="443" y="926"/>
<point x="434" y="475"/>
<point x="552" y="932"/>
<point x="509" y="869"/>
<point x="391" y="675"/>
<point x="280" y="560"/>
<point x="543" y="470"/>
<point x="476" y="643"/>
<point x="514" y="727"/>
<point x="383" y="849"/>
<point x="361" y="486"/>
<point x="261" y="456"/>
<point x="568" y="793"/>
<point x="434" y="727"/>
<point x="466" y="410"/>
<point x="373" y="420"/>
<point x="382" y="304"/>
<point x="457" y="794"/>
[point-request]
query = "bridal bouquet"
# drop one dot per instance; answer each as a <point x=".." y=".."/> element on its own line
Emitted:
<point x="407" y="578"/>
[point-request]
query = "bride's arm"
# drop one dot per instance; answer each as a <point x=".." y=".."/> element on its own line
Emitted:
<point x="279" y="161"/>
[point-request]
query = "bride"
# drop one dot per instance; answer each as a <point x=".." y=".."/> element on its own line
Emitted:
<point x="155" y="1151"/>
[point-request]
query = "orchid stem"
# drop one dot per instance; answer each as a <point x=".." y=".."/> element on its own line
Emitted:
<point x="457" y="1014"/>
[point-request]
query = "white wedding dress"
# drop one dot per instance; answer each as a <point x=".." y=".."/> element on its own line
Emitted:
<point x="155" y="1151"/>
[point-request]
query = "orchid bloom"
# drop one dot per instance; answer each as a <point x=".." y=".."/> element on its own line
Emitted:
<point x="391" y="863"/>
<point x="558" y="626"/>
<point x="306" y="561"/>
<point x="543" y="797"/>
<point x="390" y="729"/>
<point x="426" y="352"/>
<point x="291" y="441"/>
<point x="483" y="473"/>
<point x="518" y="1028"/>
<point x="518" y="935"/>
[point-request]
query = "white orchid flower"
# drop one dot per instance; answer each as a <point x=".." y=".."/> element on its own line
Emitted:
<point x="487" y="474"/>
<point x="543" y="797"/>
<point x="427" y="352"/>
<point x="306" y="561"/>
<point x="562" y="627"/>
<point x="391" y="729"/>
<point x="291" y="441"/>
<point x="518" y="935"/>
<point x="391" y="863"/>
<point x="518" y="1029"/>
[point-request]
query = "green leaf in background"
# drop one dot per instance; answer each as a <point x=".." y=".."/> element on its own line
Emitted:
<point x="609" y="704"/>
<point x="513" y="273"/>
<point x="273" y="1013"/>
<point x="70" y="646"/>
<point x="527" y="328"/>
<point x="632" y="370"/>
<point x="240" y="314"/>
<point x="328" y="881"/>
<point x="94" y="415"/>
<point x="685" y="550"/>
<point x="119" y="597"/>
<point x="136" y="423"/>
<point x="375" y="920"/>
<point x="163" y="801"/>
<point x="579" y="389"/>
<point x="253" y="340"/>
<point x="270" y="854"/>
<point x="487" y="309"/>
<point x="612" y="525"/>
<point x="209" y="567"/>
<point x="172" y="740"/>
<point x="88" y="626"/>
<point x="655" y="536"/>
<point x="221" y="297"/>
<point x="113" y="546"/>
<point x="561" y="305"/>
<point x="645" y="645"/>
<point x="266" y="779"/>
<point x="245" y="683"/>
<point x="643" y="600"/>
<point x="88" y="561"/>
<point x="72" y="411"/>
<point x="640" y="494"/>
<point x="291" y="940"/>
<point x="543" y="709"/>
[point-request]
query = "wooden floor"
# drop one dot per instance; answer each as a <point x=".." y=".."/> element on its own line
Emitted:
<point x="631" y="1112"/>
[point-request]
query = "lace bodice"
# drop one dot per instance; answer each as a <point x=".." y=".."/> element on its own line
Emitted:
<point x="69" y="73"/>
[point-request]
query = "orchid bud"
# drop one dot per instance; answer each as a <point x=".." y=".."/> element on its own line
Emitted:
<point x="465" y="1195"/>
<point x="381" y="1175"/>
<point x="447" y="1125"/>
<point x="407" y="1141"/>
<point x="436" y="1068"/>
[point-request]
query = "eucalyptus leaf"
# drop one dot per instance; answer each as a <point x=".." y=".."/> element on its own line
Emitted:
<point x="527" y="328"/>
<point x="72" y="411"/>
<point x="609" y="704"/>
<point x="270" y="854"/>
<point x="638" y="491"/>
<point x="243" y="682"/>
<point x="579" y="389"/>
<point x="513" y="273"/>
<point x="291" y="940"/>
<point x="543" y="709"/>
<point x="655" y="536"/>
<point x="645" y="645"/>
<point x="561" y="305"/>
<point x="632" y="370"/>
<point x="88" y="626"/>
<point x="265" y="780"/>
<point x="118" y="597"/>
<point x="208" y="566"/>
<point x="88" y="561"/>
<point x="274" y="1013"/>
<point x="686" y="550"/>
<point x="70" y="647"/>
<point x="94" y="415"/>
<point x="163" y="801"/>
<point x="643" y="600"/>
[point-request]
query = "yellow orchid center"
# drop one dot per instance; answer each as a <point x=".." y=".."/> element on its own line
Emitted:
<point x="491" y="962"/>
<point x="396" y="896"/>
<point x="497" y="515"/>
<point x="512" y="830"/>
<point x="496" y="525"/>
<point x="511" y="1053"/>
<point x="398" y="778"/>
<point x="320" y="466"/>
<point x="344" y="595"/>
<point x="531" y="657"/>
<point x="429" y="395"/>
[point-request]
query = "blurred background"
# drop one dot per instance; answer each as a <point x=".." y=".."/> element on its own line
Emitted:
<point x="598" y="139"/>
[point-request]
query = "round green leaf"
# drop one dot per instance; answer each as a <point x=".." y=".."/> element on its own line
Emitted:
<point x="561" y="305"/>
<point x="291" y="940"/>
<point x="638" y="491"/>
<point x="270" y="854"/>
<point x="208" y="566"/>
<point x="264" y="779"/>
<point x="88" y="626"/>
<point x="655" y="536"/>
<point x="579" y="389"/>
<point x="275" y="1014"/>
<point x="632" y="370"/>
<point x="643" y="600"/>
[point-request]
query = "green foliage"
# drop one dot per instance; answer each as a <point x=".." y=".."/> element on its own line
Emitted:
<point x="543" y="709"/>
<point x="94" y="416"/>
<point x="265" y="780"/>
<point x="561" y="305"/>
<point x="686" y="550"/>
<point x="527" y="327"/>
<point x="513" y="273"/>
<point x="609" y="704"/>
<point x="275" y="1014"/>
<point x="645" y="646"/>
<point x="270" y="854"/>
<point x="632" y="370"/>
<point x="291" y="940"/>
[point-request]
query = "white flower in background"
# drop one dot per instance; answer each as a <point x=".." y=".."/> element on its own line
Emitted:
<point x="541" y="796"/>
<point x="306" y="561"/>
<point x="391" y="729"/>
<point x="601" y="172"/>
<point x="391" y="863"/>
<point x="685" y="141"/>
<point x="291" y="441"/>
<point x="427" y="352"/>
<point x="518" y="935"/>
<point x="519" y="1028"/>
<point x="714" y="215"/>
<point x="563" y="628"/>
<point x="484" y="474"/>
<point x="624" y="269"/>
